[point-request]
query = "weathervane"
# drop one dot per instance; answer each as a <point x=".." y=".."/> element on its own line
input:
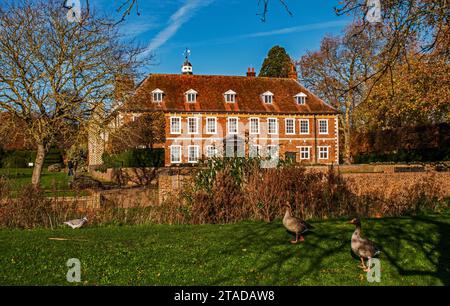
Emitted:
<point x="186" y="53"/>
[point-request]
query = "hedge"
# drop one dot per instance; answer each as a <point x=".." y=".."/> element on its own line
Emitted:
<point x="429" y="143"/>
<point x="134" y="158"/>
<point x="21" y="158"/>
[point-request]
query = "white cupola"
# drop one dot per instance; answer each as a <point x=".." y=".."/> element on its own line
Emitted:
<point x="187" y="66"/>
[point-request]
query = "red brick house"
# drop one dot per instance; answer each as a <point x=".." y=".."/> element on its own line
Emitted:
<point x="213" y="115"/>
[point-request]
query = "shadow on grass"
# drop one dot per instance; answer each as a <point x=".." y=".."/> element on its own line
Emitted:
<point x="276" y="250"/>
<point x="429" y="237"/>
<point x="413" y="246"/>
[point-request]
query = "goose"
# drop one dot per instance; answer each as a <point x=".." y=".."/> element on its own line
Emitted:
<point x="76" y="223"/>
<point x="362" y="247"/>
<point x="295" y="225"/>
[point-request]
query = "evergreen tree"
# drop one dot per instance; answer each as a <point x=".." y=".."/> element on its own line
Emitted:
<point x="277" y="63"/>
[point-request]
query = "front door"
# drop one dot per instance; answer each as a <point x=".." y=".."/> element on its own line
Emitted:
<point x="291" y="156"/>
<point x="234" y="146"/>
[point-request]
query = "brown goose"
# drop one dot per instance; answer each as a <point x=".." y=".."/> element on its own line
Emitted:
<point x="362" y="247"/>
<point x="295" y="225"/>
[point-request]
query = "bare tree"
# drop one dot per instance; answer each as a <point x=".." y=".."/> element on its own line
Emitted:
<point x="336" y="71"/>
<point x="126" y="7"/>
<point x="265" y="8"/>
<point x="55" y="73"/>
<point x="144" y="131"/>
<point x="422" y="23"/>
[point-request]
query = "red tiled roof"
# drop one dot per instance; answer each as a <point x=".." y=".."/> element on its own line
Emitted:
<point x="210" y="97"/>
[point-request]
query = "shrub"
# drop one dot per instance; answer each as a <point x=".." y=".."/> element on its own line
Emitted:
<point x="21" y="158"/>
<point x="2" y="155"/>
<point x="18" y="159"/>
<point x="135" y="158"/>
<point x="230" y="191"/>
<point x="31" y="208"/>
<point x="405" y="144"/>
<point x="411" y="196"/>
<point x="53" y="156"/>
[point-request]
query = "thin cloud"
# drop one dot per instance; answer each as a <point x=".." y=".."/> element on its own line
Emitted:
<point x="181" y="16"/>
<point x="277" y="32"/>
<point x="297" y="29"/>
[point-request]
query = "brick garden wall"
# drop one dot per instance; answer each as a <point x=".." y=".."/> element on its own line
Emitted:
<point x="376" y="178"/>
<point x="360" y="183"/>
<point x="365" y="183"/>
<point x="130" y="197"/>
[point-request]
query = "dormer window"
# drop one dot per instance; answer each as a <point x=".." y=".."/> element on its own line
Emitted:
<point x="157" y="95"/>
<point x="191" y="96"/>
<point x="267" y="97"/>
<point x="300" y="98"/>
<point x="230" y="96"/>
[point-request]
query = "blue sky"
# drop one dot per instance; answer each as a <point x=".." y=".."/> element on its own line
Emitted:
<point x="226" y="36"/>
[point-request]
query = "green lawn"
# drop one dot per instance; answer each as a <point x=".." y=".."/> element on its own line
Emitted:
<point x="53" y="183"/>
<point x="416" y="251"/>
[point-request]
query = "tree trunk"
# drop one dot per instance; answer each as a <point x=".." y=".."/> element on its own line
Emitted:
<point x="346" y="128"/>
<point x="347" y="150"/>
<point x="38" y="164"/>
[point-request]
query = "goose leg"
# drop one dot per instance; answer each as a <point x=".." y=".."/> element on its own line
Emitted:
<point x="301" y="238"/>
<point x="369" y="264"/>
<point x="363" y="265"/>
<point x="296" y="239"/>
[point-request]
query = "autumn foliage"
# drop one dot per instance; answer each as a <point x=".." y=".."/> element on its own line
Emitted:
<point x="415" y="93"/>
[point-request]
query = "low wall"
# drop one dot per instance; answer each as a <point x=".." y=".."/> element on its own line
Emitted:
<point x="130" y="197"/>
<point x="111" y="174"/>
<point x="374" y="168"/>
<point x="364" y="183"/>
<point x="360" y="183"/>
<point x="362" y="179"/>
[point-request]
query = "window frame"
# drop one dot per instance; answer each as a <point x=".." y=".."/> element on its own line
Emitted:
<point x="157" y="91"/>
<point x="326" y="125"/>
<point x="207" y="151"/>
<point x="230" y="94"/>
<point x="276" y="126"/>
<point x="258" y="125"/>
<point x="237" y="125"/>
<point x="308" y="151"/>
<point x="277" y="151"/>
<point x="197" y="119"/>
<point x="179" y="125"/>
<point x="300" y="98"/>
<point x="192" y="93"/>
<point x="286" y="126"/>
<point x="327" y="152"/>
<point x="267" y="94"/>
<point x="215" y="126"/>
<point x="230" y="98"/>
<point x="197" y="155"/>
<point x="307" y="121"/>
<point x="180" y="152"/>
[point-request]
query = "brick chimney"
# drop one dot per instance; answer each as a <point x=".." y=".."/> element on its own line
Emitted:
<point x="293" y="72"/>
<point x="251" y="72"/>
